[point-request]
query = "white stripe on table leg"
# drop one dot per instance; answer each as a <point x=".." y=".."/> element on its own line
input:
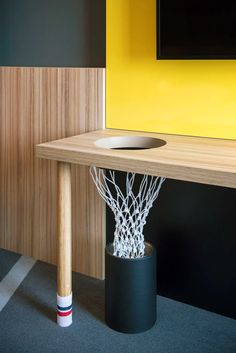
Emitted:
<point x="14" y="278"/>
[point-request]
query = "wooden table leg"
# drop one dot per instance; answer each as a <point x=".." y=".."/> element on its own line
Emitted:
<point x="64" y="270"/>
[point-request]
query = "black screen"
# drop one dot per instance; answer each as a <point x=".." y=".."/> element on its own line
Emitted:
<point x="196" y="29"/>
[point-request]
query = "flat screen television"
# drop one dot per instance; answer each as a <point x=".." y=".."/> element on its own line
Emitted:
<point x="196" y="29"/>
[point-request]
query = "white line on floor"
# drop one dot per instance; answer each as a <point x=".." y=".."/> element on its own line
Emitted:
<point x="14" y="278"/>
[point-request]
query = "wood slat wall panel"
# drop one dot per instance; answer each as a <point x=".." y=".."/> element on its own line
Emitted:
<point x="39" y="105"/>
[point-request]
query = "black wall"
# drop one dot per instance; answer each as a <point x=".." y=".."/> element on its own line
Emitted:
<point x="193" y="227"/>
<point x="52" y="33"/>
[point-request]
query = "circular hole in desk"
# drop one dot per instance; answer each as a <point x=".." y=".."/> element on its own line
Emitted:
<point x="130" y="143"/>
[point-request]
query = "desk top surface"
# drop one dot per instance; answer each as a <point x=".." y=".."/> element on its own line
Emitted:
<point x="202" y="160"/>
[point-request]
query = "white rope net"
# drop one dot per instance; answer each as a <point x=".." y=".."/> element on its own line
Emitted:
<point x="130" y="210"/>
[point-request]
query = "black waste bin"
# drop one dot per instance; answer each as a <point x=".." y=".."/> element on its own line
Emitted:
<point x="130" y="291"/>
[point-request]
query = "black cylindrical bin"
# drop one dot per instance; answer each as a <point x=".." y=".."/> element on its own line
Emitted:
<point x="130" y="291"/>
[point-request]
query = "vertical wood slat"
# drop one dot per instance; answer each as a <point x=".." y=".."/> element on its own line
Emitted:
<point x="39" y="105"/>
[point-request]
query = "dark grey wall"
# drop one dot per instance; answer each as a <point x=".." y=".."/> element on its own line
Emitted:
<point x="193" y="227"/>
<point x="52" y="33"/>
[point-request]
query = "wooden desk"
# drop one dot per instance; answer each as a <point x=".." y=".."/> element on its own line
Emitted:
<point x="201" y="160"/>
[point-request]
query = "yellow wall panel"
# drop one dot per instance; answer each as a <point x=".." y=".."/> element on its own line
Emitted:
<point x="190" y="97"/>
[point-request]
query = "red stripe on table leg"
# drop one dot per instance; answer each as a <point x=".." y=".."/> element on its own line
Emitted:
<point x="64" y="313"/>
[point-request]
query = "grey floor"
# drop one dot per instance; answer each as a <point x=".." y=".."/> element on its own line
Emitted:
<point x="27" y="323"/>
<point x="7" y="260"/>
